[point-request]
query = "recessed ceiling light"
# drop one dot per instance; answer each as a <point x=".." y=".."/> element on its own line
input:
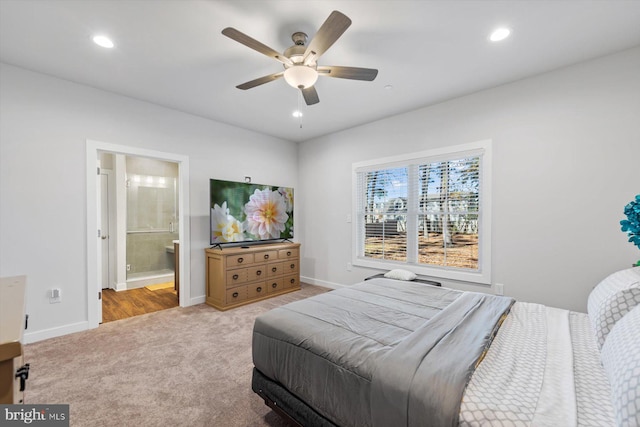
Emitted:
<point x="297" y="114"/>
<point x="103" y="41"/>
<point x="499" y="34"/>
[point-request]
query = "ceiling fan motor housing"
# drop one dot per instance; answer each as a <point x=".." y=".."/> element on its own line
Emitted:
<point x="295" y="53"/>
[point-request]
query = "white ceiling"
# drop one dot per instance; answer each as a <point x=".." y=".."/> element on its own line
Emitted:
<point x="172" y="52"/>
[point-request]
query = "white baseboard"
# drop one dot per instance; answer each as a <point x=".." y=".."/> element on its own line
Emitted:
<point x="31" y="337"/>
<point x="121" y="287"/>
<point x="197" y="300"/>
<point x="323" y="283"/>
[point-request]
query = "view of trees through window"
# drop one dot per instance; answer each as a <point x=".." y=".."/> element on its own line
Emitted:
<point x="426" y="213"/>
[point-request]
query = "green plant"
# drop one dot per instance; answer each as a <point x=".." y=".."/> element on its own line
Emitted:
<point x="631" y="225"/>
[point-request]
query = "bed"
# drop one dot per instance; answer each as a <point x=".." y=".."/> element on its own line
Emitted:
<point x="388" y="352"/>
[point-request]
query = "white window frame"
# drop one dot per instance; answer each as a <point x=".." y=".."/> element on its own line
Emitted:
<point x="480" y="148"/>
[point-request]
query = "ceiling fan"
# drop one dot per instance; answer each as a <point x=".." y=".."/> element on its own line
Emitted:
<point x="301" y="69"/>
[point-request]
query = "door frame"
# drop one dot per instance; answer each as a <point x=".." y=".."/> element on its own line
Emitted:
<point x="94" y="261"/>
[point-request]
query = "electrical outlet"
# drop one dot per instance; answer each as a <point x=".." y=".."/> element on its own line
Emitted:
<point x="499" y="288"/>
<point x="128" y="267"/>
<point x="55" y="296"/>
<point x="349" y="266"/>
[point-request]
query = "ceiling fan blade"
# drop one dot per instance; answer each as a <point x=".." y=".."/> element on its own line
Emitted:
<point x="353" y="73"/>
<point x="310" y="95"/>
<point x="254" y="44"/>
<point x="260" y="81"/>
<point x="335" y="25"/>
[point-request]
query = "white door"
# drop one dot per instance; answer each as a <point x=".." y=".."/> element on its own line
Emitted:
<point x="105" y="232"/>
<point x="99" y="242"/>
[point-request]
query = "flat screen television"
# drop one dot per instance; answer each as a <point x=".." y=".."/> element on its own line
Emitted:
<point x="245" y="212"/>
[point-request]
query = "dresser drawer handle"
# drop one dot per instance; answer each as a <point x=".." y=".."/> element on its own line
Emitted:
<point x="274" y="285"/>
<point x="292" y="281"/>
<point x="235" y="295"/>
<point x="259" y="289"/>
<point x="293" y="266"/>
<point x="266" y="256"/>
<point x="274" y="269"/>
<point x="259" y="272"/>
<point x="288" y="253"/>
<point x="240" y="260"/>
<point x="235" y="277"/>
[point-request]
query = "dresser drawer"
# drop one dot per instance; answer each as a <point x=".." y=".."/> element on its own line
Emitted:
<point x="257" y="290"/>
<point x="238" y="294"/>
<point x="239" y="260"/>
<point x="275" y="269"/>
<point x="266" y="256"/>
<point x="291" y="281"/>
<point x="275" y="285"/>
<point x="257" y="272"/>
<point x="288" y="253"/>
<point x="236" y="277"/>
<point x="290" y="267"/>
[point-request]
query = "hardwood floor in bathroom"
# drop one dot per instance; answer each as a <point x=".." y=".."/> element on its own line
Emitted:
<point x="124" y="304"/>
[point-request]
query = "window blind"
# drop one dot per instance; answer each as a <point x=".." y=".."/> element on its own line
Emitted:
<point x="449" y="195"/>
<point x="383" y="213"/>
<point x="421" y="212"/>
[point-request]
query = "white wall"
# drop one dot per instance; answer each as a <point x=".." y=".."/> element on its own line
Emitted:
<point x="566" y="149"/>
<point x="45" y="123"/>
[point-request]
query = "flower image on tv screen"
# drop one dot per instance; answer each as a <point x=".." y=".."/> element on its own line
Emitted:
<point x="242" y="212"/>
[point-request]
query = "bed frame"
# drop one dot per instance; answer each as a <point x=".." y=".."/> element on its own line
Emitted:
<point x="293" y="410"/>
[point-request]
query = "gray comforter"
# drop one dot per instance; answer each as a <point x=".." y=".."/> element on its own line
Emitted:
<point x="380" y="353"/>
<point x="432" y="366"/>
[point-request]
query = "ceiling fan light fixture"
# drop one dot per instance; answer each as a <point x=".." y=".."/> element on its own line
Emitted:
<point x="300" y="76"/>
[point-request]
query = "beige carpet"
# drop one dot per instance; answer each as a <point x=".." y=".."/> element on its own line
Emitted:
<point x="178" y="367"/>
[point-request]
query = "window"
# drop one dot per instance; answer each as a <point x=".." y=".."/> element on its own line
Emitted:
<point x="427" y="211"/>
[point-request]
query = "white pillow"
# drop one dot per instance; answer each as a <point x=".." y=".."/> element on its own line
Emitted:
<point x="611" y="299"/>
<point x="623" y="279"/>
<point x="613" y="309"/>
<point x="399" y="274"/>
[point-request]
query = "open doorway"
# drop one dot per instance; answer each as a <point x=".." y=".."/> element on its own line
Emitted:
<point x="176" y="225"/>
<point x="140" y="216"/>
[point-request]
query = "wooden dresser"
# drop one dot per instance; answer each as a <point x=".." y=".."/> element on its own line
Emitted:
<point x="241" y="275"/>
<point x="12" y="324"/>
